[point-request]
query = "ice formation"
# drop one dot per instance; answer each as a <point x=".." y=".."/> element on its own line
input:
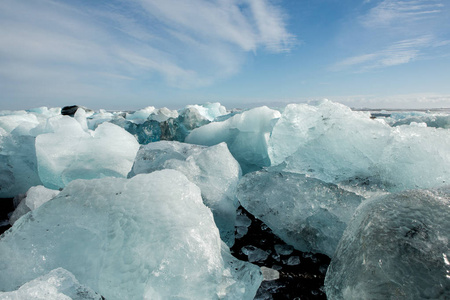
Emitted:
<point x="71" y="153"/>
<point x="396" y="247"/>
<point x="331" y="142"/>
<point x="148" y="237"/>
<point x="18" y="164"/>
<point x="58" y="284"/>
<point x="213" y="169"/>
<point x="35" y="197"/>
<point x="304" y="212"/>
<point x="246" y="135"/>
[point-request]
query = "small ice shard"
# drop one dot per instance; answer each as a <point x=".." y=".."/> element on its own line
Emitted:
<point x="254" y="253"/>
<point x="58" y="284"/>
<point x="293" y="261"/>
<point x="270" y="274"/>
<point x="148" y="237"/>
<point x="243" y="221"/>
<point x="304" y="212"/>
<point x="246" y="135"/>
<point x="395" y="247"/>
<point x="35" y="197"/>
<point x="283" y="249"/>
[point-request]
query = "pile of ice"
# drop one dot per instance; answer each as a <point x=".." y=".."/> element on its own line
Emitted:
<point x="144" y="231"/>
<point x="148" y="237"/>
<point x="332" y="143"/>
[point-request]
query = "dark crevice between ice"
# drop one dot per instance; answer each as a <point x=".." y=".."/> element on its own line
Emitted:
<point x="301" y="274"/>
<point x="6" y="207"/>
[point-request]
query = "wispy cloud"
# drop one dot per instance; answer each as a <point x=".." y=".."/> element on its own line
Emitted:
<point x="393" y="12"/>
<point x="398" y="53"/>
<point x="392" y="32"/>
<point x="186" y="43"/>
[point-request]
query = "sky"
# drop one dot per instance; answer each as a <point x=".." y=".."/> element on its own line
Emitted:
<point x="129" y="54"/>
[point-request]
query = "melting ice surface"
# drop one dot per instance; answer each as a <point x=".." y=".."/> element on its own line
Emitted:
<point x="308" y="167"/>
<point x="396" y="247"/>
<point x="148" y="237"/>
<point x="58" y="284"/>
<point x="213" y="169"/>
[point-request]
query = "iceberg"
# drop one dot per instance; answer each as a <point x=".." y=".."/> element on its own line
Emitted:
<point x="148" y="237"/>
<point x="246" y="135"/>
<point x="58" y="284"/>
<point x="304" y="212"/>
<point x="72" y="153"/>
<point x="213" y="169"/>
<point x="395" y="247"/>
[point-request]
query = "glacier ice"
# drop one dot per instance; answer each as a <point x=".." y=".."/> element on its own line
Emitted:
<point x="58" y="284"/>
<point x="34" y="197"/>
<point x="162" y="114"/>
<point x="331" y="142"/>
<point x="141" y="115"/>
<point x="148" y="237"/>
<point x="18" y="164"/>
<point x="70" y="152"/>
<point x="307" y="213"/>
<point x="246" y="135"/>
<point x="213" y="169"/>
<point x="395" y="247"/>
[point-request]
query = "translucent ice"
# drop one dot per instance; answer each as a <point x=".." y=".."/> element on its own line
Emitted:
<point x="396" y="247"/>
<point x="209" y="111"/>
<point x="331" y="142"/>
<point x="148" y="237"/>
<point x="59" y="284"/>
<point x="162" y="114"/>
<point x="246" y="134"/>
<point x="18" y="164"/>
<point x="71" y="153"/>
<point x="213" y="169"/>
<point x="35" y="197"/>
<point x="305" y="212"/>
<point x="140" y="116"/>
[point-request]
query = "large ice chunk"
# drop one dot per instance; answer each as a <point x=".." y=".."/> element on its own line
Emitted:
<point x="396" y="247"/>
<point x="213" y="169"/>
<point x="246" y="134"/>
<point x="59" y="284"/>
<point x="18" y="164"/>
<point x="148" y="237"/>
<point x="331" y="142"/>
<point x="305" y="212"/>
<point x="71" y="153"/>
<point x="35" y="197"/>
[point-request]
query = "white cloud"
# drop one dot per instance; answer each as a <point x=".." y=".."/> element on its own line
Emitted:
<point x="187" y="43"/>
<point x="395" y="12"/>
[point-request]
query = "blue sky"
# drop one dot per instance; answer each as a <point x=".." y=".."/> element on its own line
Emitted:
<point x="130" y="54"/>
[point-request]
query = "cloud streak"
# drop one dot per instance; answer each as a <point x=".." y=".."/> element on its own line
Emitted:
<point x="396" y="32"/>
<point x="102" y="45"/>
